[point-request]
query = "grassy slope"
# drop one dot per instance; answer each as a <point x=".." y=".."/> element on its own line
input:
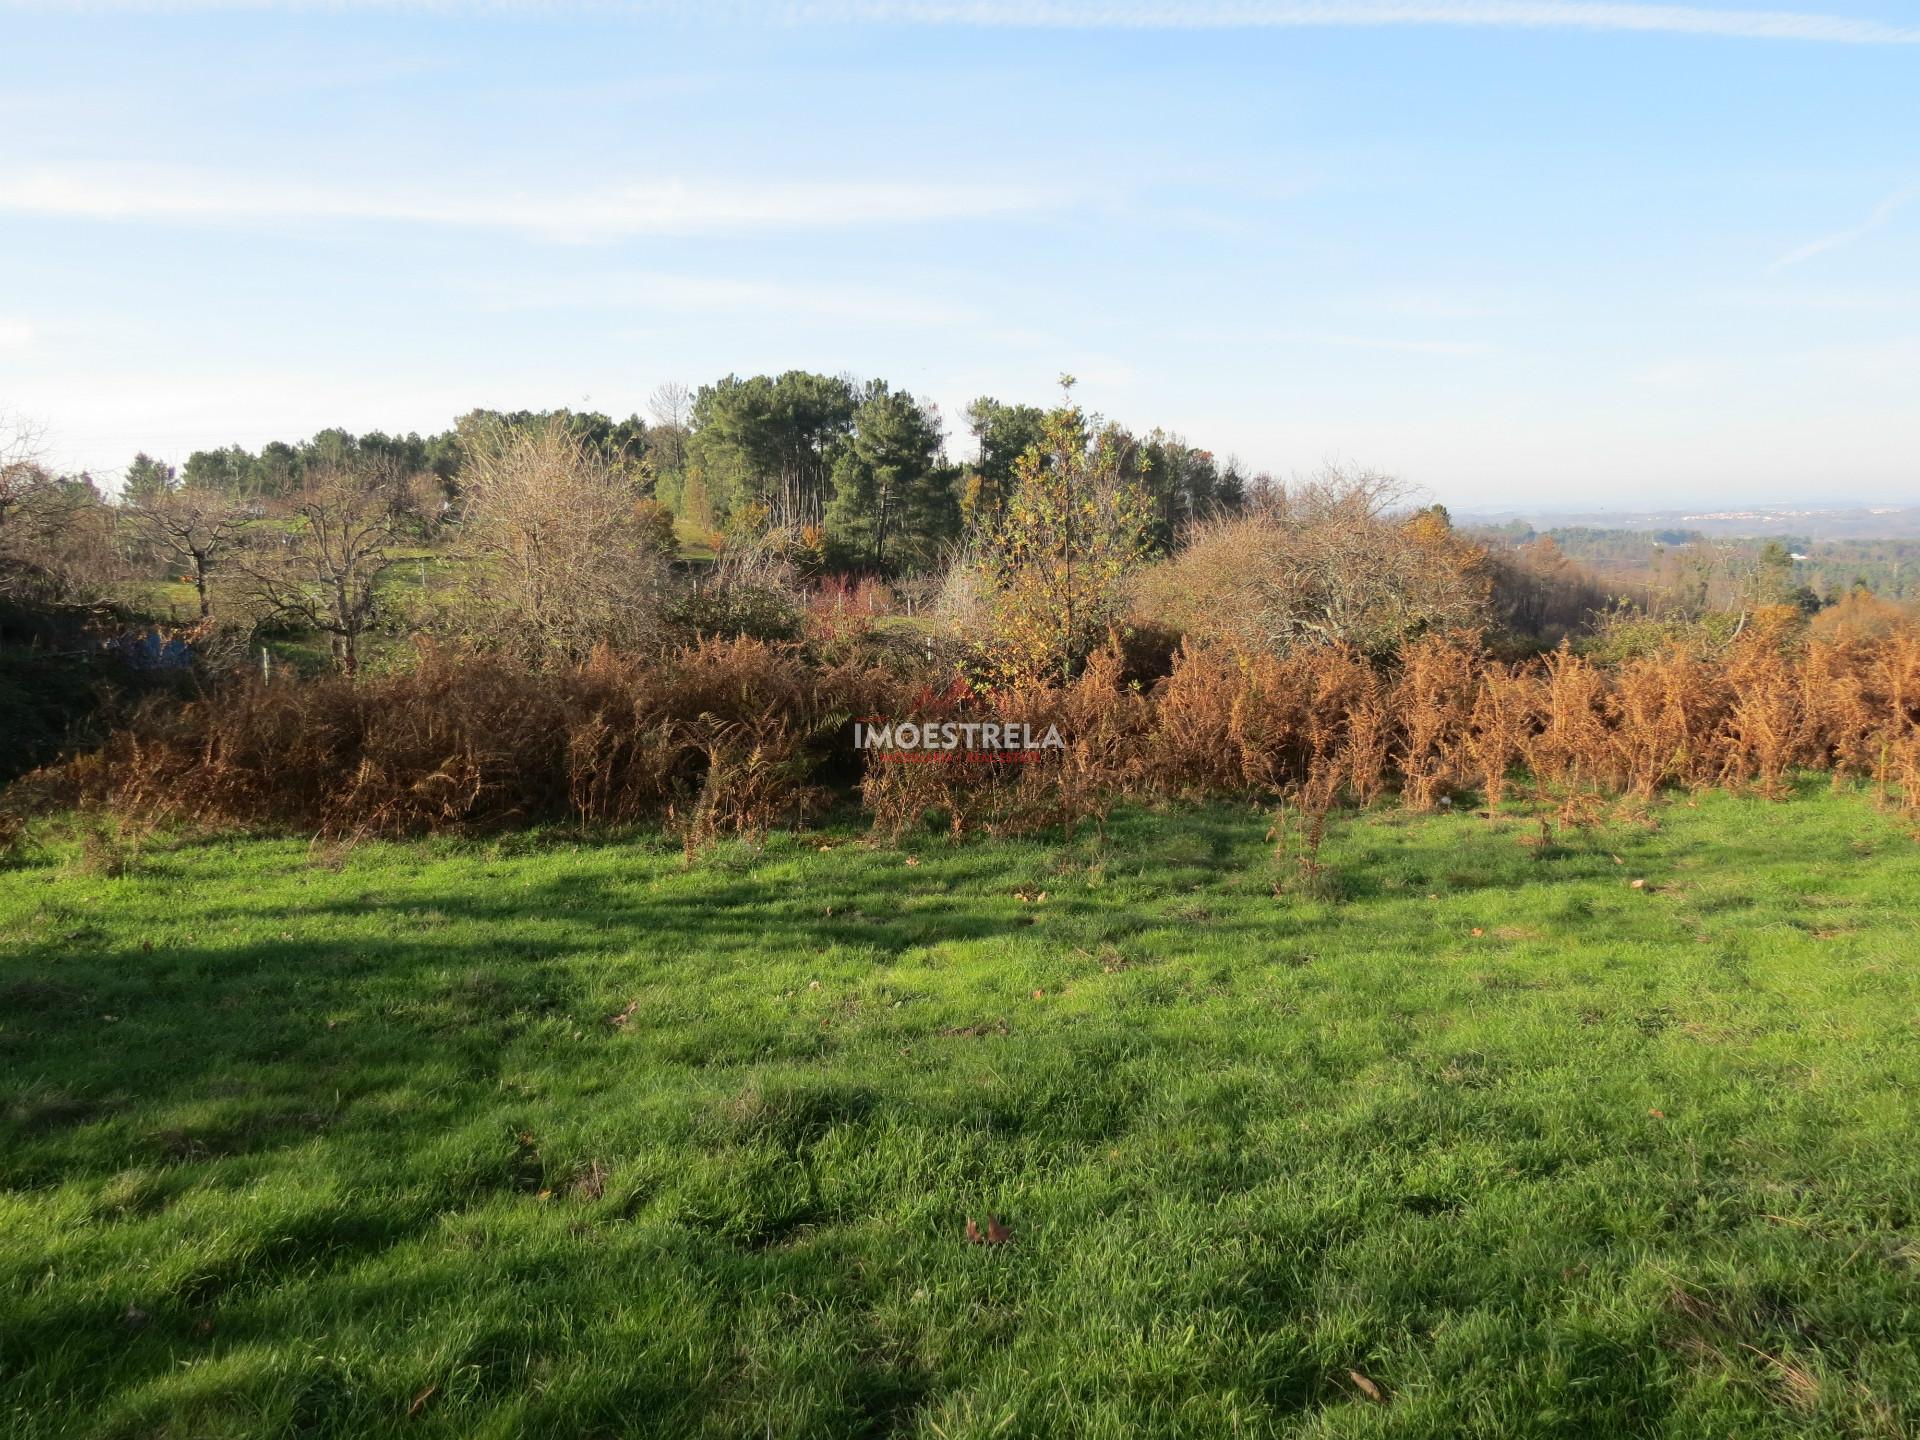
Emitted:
<point x="356" y="1137"/>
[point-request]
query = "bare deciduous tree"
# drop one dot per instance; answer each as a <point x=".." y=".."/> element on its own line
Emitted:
<point x="196" y="529"/>
<point x="321" y="565"/>
<point x="56" y="531"/>
<point x="670" y="404"/>
<point x="570" y="560"/>
<point x="20" y="468"/>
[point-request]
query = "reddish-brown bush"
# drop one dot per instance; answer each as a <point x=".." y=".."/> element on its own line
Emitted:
<point x="1103" y="724"/>
<point x="722" y="735"/>
<point x="733" y="736"/>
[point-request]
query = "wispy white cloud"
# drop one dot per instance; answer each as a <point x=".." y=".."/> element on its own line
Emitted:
<point x="1454" y="349"/>
<point x="1881" y="215"/>
<point x="718" y="295"/>
<point x="1301" y="339"/>
<point x="1252" y="14"/>
<point x="1613" y="15"/>
<point x="1818" y="302"/>
<point x="601" y="213"/>
<point x="1435" y="306"/>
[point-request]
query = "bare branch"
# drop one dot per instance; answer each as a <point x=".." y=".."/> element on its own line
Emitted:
<point x="322" y="565"/>
<point x="196" y="529"/>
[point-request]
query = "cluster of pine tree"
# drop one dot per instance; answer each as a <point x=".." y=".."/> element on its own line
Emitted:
<point x="858" y="471"/>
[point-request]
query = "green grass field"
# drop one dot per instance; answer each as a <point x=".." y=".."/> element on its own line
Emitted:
<point x="574" y="1139"/>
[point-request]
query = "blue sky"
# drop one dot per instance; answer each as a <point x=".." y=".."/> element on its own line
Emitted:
<point x="1521" y="254"/>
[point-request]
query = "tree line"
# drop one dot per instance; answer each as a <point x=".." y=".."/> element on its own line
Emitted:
<point x="750" y="506"/>
<point x="855" y="472"/>
<point x="565" y="525"/>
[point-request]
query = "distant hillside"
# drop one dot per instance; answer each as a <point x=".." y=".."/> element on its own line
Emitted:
<point x="1858" y="522"/>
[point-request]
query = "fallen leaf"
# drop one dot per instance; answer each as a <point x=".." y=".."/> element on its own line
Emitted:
<point x="133" y="1317"/>
<point x="1478" y="932"/>
<point x="420" y="1400"/>
<point x="1366" y="1386"/>
<point x="1639" y="885"/>
<point x="619" y="1022"/>
<point x="913" y="859"/>
<point x="1658" y="1114"/>
<point x="994" y="1234"/>
<point x="1039" y="994"/>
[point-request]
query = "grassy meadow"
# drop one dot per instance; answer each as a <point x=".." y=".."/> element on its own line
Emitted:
<point x="1470" y="1135"/>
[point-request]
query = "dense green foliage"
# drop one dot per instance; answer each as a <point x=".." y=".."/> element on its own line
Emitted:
<point x="894" y="498"/>
<point x="1071" y="529"/>
<point x="771" y="442"/>
<point x="279" y="467"/>
<point x="1467" y="1137"/>
<point x="862" y="463"/>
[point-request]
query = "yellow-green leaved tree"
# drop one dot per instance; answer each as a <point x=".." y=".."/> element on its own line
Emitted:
<point x="1056" y="558"/>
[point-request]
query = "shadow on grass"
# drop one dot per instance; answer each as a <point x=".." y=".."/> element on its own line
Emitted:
<point x="99" y="1026"/>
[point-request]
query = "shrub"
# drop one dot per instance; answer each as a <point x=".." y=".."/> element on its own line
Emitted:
<point x="1860" y="615"/>
<point x="570" y="558"/>
<point x="475" y="742"/>
<point x="736" y="611"/>
<point x="735" y="735"/>
<point x="1324" y="563"/>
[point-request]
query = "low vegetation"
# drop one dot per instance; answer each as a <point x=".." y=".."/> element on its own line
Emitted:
<point x="1472" y="1135"/>
<point x="470" y="980"/>
<point x="743" y="735"/>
